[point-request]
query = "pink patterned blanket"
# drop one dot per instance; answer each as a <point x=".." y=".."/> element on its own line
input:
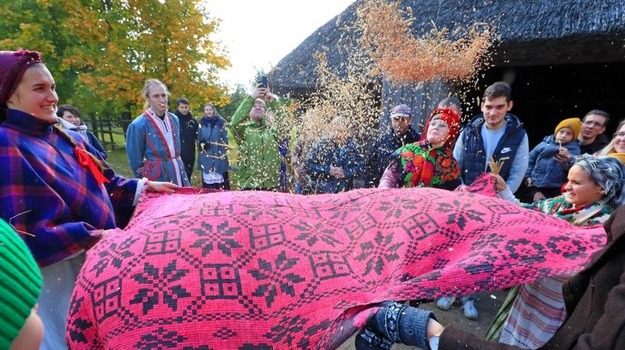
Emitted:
<point x="259" y="270"/>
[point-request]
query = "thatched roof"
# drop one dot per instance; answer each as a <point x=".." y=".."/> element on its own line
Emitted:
<point x="532" y="32"/>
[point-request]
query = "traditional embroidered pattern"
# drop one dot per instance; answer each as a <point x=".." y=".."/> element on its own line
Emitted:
<point x="263" y="270"/>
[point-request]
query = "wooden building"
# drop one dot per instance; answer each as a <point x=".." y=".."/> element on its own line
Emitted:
<point x="562" y="57"/>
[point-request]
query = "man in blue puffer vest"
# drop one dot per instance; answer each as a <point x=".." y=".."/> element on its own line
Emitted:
<point x="494" y="133"/>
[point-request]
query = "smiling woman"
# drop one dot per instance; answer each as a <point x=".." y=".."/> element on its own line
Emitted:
<point x="533" y="312"/>
<point x="56" y="190"/>
<point x="616" y="147"/>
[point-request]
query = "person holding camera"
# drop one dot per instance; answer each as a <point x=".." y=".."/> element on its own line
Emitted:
<point x="259" y="149"/>
<point x="212" y="140"/>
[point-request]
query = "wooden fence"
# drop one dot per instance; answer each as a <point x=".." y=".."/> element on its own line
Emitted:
<point x="105" y="128"/>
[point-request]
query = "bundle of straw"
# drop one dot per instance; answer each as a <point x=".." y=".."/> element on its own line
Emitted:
<point x="495" y="166"/>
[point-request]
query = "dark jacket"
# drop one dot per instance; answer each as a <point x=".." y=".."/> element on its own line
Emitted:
<point x="594" y="298"/>
<point x="543" y="168"/>
<point x="474" y="156"/>
<point x="325" y="153"/>
<point x="188" y="133"/>
<point x="380" y="153"/>
<point x="93" y="141"/>
<point x="212" y="138"/>
<point x="600" y="141"/>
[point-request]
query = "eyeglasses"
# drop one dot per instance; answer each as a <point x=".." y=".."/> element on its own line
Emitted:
<point x="399" y="117"/>
<point x="439" y="124"/>
<point x="619" y="135"/>
<point x="591" y="123"/>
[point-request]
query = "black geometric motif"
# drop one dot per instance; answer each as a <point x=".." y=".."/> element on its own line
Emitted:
<point x="312" y="234"/>
<point x="495" y="207"/>
<point x="114" y="255"/>
<point x="222" y="236"/>
<point x="377" y="251"/>
<point x="420" y="225"/>
<point x="220" y="281"/>
<point x="266" y="236"/>
<point x="224" y="333"/>
<point x="327" y="265"/>
<point x="561" y="245"/>
<point x="304" y="342"/>
<point x="162" y="242"/>
<point x="357" y="228"/>
<point x="76" y="329"/>
<point x="526" y="250"/>
<point x="286" y="330"/>
<point x="277" y="277"/>
<point x="106" y="298"/>
<point x="460" y="213"/>
<point x="477" y="264"/>
<point x="491" y="241"/>
<point x="151" y="277"/>
<point x="161" y="339"/>
<point x="396" y="207"/>
<point x="256" y="347"/>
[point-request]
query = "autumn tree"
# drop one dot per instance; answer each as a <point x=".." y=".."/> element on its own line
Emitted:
<point x="102" y="51"/>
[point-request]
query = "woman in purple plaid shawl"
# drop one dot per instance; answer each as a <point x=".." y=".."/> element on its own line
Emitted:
<point x="56" y="194"/>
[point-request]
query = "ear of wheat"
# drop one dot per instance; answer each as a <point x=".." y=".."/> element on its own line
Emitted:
<point x="495" y="166"/>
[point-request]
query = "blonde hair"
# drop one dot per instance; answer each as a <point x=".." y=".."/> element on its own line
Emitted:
<point x="609" y="148"/>
<point x="148" y="86"/>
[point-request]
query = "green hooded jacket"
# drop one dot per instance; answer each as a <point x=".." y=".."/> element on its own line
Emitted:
<point x="259" y="158"/>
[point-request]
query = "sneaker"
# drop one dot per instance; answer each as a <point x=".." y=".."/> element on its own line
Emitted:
<point x="469" y="309"/>
<point x="444" y="303"/>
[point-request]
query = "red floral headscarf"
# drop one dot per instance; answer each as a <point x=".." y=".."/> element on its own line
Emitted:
<point x="453" y="122"/>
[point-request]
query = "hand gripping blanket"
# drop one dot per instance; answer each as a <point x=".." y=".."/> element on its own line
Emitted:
<point x="260" y="270"/>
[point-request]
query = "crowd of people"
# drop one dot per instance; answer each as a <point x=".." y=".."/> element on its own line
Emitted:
<point x="60" y="195"/>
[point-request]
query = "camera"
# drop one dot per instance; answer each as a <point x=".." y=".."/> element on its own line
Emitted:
<point x="262" y="81"/>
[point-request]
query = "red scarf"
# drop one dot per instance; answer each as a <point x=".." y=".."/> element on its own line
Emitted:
<point x="86" y="161"/>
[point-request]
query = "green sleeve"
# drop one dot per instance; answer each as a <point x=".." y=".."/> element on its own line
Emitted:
<point x="274" y="105"/>
<point x="240" y="116"/>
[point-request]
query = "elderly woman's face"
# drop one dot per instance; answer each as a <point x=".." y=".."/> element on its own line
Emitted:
<point x="438" y="132"/>
<point x="581" y="189"/>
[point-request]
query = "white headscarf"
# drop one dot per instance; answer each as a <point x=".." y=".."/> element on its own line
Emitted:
<point x="608" y="173"/>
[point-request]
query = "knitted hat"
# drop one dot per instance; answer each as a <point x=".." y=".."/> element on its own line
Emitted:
<point x="20" y="284"/>
<point x="400" y="111"/>
<point x="575" y="124"/>
<point x="13" y="64"/>
<point x="451" y="118"/>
